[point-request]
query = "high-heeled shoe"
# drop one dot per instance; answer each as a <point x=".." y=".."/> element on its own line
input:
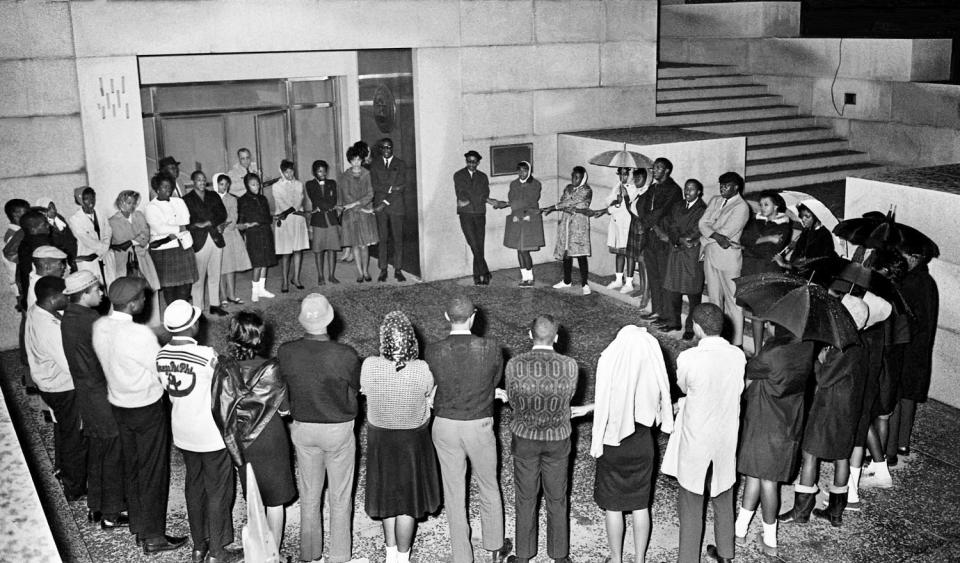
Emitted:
<point x="297" y="285"/>
<point x="321" y="281"/>
<point x="334" y="280"/>
<point x="367" y="277"/>
<point x="359" y="279"/>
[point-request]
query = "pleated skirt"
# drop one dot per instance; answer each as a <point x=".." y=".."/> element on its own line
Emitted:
<point x="175" y="266"/>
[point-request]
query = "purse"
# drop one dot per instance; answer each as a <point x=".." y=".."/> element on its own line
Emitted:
<point x="133" y="265"/>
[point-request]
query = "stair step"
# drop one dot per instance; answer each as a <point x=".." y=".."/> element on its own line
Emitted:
<point x="718" y="103"/>
<point x="795" y="148"/>
<point x="795" y="132"/>
<point x="705" y="81"/>
<point x="714" y="116"/>
<point x="743" y="126"/>
<point x="799" y="178"/>
<point x="676" y="70"/>
<point x="759" y="167"/>
<point x="685" y="93"/>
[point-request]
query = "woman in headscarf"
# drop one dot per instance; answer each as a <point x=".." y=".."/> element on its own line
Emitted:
<point x="249" y="396"/>
<point x="235" y="257"/>
<point x="130" y="238"/>
<point x="524" y="230"/>
<point x="632" y="394"/>
<point x="402" y="477"/>
<point x="573" y="231"/>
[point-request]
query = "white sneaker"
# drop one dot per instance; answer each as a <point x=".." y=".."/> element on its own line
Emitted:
<point x="255" y="292"/>
<point x="561" y="285"/>
<point x="627" y="287"/>
<point x="615" y="284"/>
<point x="587" y="290"/>
<point x="264" y="292"/>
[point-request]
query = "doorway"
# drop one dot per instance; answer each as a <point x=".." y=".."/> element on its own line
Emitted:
<point x="203" y="125"/>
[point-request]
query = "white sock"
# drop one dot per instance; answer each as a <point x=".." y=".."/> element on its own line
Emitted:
<point x="403" y="557"/>
<point x="809" y="489"/>
<point x="743" y="522"/>
<point x="853" y="493"/>
<point x="527" y="275"/>
<point x="837" y="489"/>
<point x="393" y="554"/>
<point x="770" y="534"/>
<point x="619" y="276"/>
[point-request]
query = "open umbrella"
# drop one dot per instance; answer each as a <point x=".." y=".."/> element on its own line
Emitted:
<point x="622" y="159"/>
<point x="872" y="231"/>
<point x="829" y="270"/>
<point x="805" y="309"/>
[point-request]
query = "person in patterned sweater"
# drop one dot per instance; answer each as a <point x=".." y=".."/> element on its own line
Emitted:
<point x="540" y="385"/>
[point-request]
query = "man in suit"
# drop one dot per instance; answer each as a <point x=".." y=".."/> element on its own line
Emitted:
<point x="721" y="226"/>
<point x="657" y="202"/>
<point x="387" y="174"/>
<point x="467" y="369"/>
<point x="208" y="218"/>
<point x="540" y="384"/>
<point x="473" y="190"/>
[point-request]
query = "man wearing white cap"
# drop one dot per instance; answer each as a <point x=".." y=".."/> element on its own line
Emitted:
<point x="51" y="373"/>
<point x="104" y="454"/>
<point x="323" y="380"/>
<point x="187" y="369"/>
<point x="47" y="261"/>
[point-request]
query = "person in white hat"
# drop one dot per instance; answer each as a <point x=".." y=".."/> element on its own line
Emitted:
<point x="47" y="261"/>
<point x="187" y="370"/>
<point x="105" y="502"/>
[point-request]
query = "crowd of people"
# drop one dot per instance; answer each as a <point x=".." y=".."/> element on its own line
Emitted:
<point x="119" y="397"/>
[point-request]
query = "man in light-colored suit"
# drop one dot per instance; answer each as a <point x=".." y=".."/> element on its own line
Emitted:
<point x="720" y="227"/>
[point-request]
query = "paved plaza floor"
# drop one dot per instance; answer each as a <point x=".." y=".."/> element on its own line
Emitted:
<point x="917" y="520"/>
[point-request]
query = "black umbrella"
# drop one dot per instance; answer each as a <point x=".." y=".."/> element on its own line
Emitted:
<point x="831" y="271"/>
<point x="805" y="309"/>
<point x="872" y="231"/>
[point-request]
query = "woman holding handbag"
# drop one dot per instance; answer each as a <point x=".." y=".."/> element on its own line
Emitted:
<point x="131" y="235"/>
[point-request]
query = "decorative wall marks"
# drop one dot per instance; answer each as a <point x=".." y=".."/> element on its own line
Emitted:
<point x="113" y="102"/>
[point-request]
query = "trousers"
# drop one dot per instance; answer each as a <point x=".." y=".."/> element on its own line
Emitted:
<point x="209" y="489"/>
<point x="692" y="510"/>
<point x="69" y="444"/>
<point x="145" y="436"/>
<point x="325" y="452"/>
<point x="655" y="257"/>
<point x="474" y="227"/>
<point x="105" y="476"/>
<point x="721" y="291"/>
<point x="675" y="307"/>
<point x="457" y="441"/>
<point x="208" y="267"/>
<point x="390" y="228"/>
<point x="543" y="463"/>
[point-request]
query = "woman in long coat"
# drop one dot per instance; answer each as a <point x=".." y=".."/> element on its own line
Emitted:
<point x="684" y="272"/>
<point x="772" y="427"/>
<point x="130" y="236"/>
<point x="235" y="257"/>
<point x="524" y="230"/>
<point x="254" y="219"/>
<point x="573" y="231"/>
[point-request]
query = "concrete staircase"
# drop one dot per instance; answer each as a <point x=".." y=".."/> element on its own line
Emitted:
<point x="785" y="150"/>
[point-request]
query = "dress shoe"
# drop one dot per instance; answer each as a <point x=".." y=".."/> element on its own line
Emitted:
<point x="334" y="280"/>
<point x="199" y="552"/>
<point x="476" y="280"/>
<point x="296" y="284"/>
<point x="359" y="279"/>
<point x="501" y="555"/>
<point x="218" y="311"/>
<point x="665" y="326"/>
<point x="515" y="559"/>
<point x="163" y="543"/>
<point x="712" y="552"/>
<point x="383" y="276"/>
<point x="649" y="317"/>
<point x="94" y="516"/>
<point x="398" y="275"/>
<point x="367" y="278"/>
<point x="485" y="279"/>
<point x="228" y="557"/>
<point x="120" y="521"/>
<point x="687" y="335"/>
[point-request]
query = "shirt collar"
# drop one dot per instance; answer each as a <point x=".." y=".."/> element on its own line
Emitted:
<point x="183" y="340"/>
<point x="114" y="314"/>
<point x="542" y="347"/>
<point x="14" y="227"/>
<point x="460" y="331"/>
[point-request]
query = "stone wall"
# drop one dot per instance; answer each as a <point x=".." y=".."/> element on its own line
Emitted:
<point x="485" y="72"/>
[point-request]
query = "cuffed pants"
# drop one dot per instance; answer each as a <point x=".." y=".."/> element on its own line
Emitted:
<point x="325" y="452"/>
<point x="721" y="290"/>
<point x="105" y="476"/>
<point x="536" y="463"/>
<point x="456" y="441"/>
<point x="209" y="489"/>
<point x="692" y="509"/>
<point x="69" y="445"/>
<point x="474" y="227"/>
<point x="145" y="435"/>
<point x="390" y="228"/>
<point x="655" y="257"/>
<point x="208" y="268"/>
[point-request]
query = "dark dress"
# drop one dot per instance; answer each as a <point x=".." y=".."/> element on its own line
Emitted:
<point x="269" y="454"/>
<point x="522" y="233"/>
<point x="922" y="296"/>
<point x="874" y="341"/>
<point x="758" y="258"/>
<point x="684" y="272"/>
<point x="831" y="429"/>
<point x="773" y="409"/>
<point x="325" y="222"/>
<point x="817" y="243"/>
<point x="254" y="208"/>
<point x="625" y="472"/>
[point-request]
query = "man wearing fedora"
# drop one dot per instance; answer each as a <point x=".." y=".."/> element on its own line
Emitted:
<point x="104" y="454"/>
<point x="472" y="188"/>
<point x="187" y="370"/>
<point x="51" y="373"/>
<point x="128" y="354"/>
<point x="323" y="380"/>
<point x="182" y="184"/>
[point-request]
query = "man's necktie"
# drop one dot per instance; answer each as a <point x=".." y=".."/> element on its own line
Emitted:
<point x="96" y="224"/>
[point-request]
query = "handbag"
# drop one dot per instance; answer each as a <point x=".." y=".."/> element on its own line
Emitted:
<point x="133" y="265"/>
